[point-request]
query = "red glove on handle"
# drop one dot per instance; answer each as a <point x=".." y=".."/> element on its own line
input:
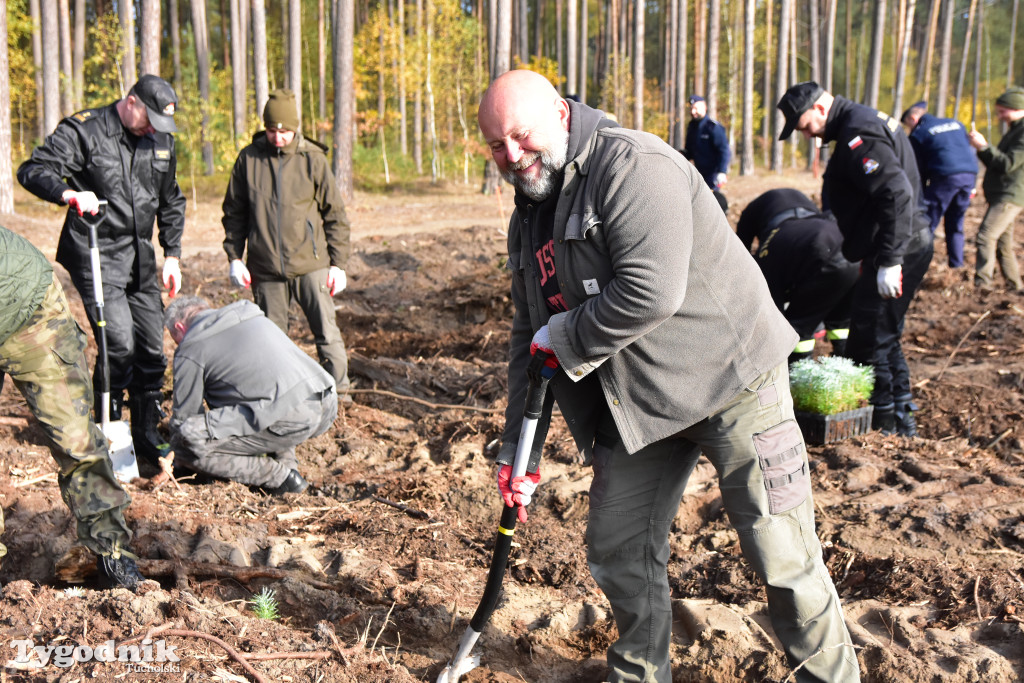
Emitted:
<point x="542" y="342"/>
<point x="520" y="491"/>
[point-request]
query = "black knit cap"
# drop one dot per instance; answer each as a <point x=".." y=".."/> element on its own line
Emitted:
<point x="795" y="102"/>
<point x="160" y="101"/>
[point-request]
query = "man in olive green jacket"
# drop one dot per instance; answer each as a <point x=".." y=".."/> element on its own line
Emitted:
<point x="283" y="201"/>
<point x="1004" y="192"/>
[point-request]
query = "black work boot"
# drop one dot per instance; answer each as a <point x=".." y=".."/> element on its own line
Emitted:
<point x="146" y="414"/>
<point x="906" y="425"/>
<point x="293" y="483"/>
<point x="119" y="573"/>
<point x="116" y="405"/>
<point x="883" y="418"/>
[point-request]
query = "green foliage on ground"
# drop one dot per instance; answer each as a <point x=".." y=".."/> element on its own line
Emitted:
<point x="829" y="385"/>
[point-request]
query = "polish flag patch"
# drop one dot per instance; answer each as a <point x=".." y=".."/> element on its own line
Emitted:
<point x="855" y="143"/>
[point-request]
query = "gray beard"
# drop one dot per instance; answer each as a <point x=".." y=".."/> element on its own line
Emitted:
<point x="552" y="162"/>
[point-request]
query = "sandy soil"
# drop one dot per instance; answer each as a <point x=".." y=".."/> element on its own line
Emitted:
<point x="378" y="567"/>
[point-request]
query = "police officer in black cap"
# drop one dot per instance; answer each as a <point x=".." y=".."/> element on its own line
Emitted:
<point x="873" y="188"/>
<point x="123" y="153"/>
<point x="708" y="148"/>
<point x="799" y="251"/>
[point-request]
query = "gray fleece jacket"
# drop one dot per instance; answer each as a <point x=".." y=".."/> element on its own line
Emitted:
<point x="666" y="308"/>
<point x="246" y="369"/>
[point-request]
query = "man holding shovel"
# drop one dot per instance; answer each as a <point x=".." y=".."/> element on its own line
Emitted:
<point x="625" y="270"/>
<point x="123" y="153"/>
<point x="43" y="350"/>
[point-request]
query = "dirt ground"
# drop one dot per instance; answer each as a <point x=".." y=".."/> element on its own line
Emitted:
<point x="379" y="565"/>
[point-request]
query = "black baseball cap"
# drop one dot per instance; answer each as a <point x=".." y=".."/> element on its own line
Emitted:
<point x="798" y="99"/>
<point x="916" y="105"/>
<point x="160" y="101"/>
<point x="695" y="98"/>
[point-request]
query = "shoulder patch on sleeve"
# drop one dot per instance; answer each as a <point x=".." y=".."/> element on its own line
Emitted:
<point x="870" y="165"/>
<point x="855" y="143"/>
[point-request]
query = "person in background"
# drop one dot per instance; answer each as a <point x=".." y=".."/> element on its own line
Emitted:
<point x="666" y="345"/>
<point x="122" y="153"/>
<point x="42" y="348"/>
<point x="799" y="251"/>
<point x="707" y="147"/>
<point x="1004" y="191"/>
<point x="872" y="186"/>
<point x="282" y="201"/>
<point x="949" y="170"/>
<point x="252" y="421"/>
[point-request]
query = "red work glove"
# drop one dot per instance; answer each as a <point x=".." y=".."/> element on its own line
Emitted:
<point x="520" y="491"/>
<point x="542" y="342"/>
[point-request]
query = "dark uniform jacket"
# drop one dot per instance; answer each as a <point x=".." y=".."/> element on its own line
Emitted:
<point x="93" y="151"/>
<point x="871" y="184"/>
<point x="708" y="148"/>
<point x="794" y="240"/>
<point x="942" y="148"/>
<point x="285" y="203"/>
<point x="1004" y="174"/>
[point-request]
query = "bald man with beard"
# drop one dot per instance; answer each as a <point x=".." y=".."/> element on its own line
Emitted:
<point x="668" y="345"/>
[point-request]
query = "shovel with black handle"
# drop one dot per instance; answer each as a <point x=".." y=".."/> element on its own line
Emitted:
<point x="538" y="374"/>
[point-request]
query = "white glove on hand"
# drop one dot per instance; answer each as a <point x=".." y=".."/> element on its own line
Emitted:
<point x="721" y="179"/>
<point x="240" y="274"/>
<point x="890" y="282"/>
<point x="336" y="280"/>
<point x="84" y="202"/>
<point x="172" y="276"/>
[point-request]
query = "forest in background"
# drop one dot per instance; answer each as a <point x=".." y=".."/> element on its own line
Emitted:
<point x="413" y="72"/>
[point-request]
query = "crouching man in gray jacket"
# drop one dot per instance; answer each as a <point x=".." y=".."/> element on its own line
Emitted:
<point x="263" y="395"/>
<point x="624" y="267"/>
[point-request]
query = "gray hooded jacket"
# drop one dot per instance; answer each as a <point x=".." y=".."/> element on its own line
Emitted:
<point x="246" y="369"/>
<point x="666" y="307"/>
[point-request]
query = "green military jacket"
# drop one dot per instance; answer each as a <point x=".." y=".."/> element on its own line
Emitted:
<point x="1004" y="164"/>
<point x="25" y="275"/>
<point x="285" y="205"/>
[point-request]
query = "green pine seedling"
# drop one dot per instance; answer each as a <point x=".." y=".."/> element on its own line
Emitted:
<point x="829" y="385"/>
<point x="264" y="604"/>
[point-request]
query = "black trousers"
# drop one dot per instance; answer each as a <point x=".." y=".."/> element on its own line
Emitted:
<point x="135" y="333"/>
<point x="876" y="326"/>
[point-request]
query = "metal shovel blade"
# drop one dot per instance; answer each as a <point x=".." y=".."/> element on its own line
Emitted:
<point x="122" y="450"/>
<point x="463" y="661"/>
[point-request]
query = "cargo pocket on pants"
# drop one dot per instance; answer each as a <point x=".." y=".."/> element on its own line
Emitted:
<point x="780" y="453"/>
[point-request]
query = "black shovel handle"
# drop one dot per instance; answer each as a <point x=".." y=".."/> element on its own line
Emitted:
<point x="539" y="374"/>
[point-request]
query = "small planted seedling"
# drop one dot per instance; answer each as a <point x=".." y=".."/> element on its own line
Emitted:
<point x="264" y="604"/>
<point x="829" y="385"/>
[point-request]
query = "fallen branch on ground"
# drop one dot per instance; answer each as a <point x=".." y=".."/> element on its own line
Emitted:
<point x="961" y="343"/>
<point x="412" y="512"/>
<point x="232" y="652"/>
<point x="422" y="402"/>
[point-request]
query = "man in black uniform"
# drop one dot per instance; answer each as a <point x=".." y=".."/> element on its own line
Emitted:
<point x="799" y="251"/>
<point x="123" y="153"/>
<point x="873" y="188"/>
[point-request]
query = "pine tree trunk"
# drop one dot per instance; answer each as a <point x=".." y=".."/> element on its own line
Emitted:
<point x="344" y="94"/>
<point x="680" y="49"/>
<point x="37" y="64"/>
<point x="51" y="65"/>
<point x="128" y="69"/>
<point x="924" y="66"/>
<point x="202" y="41"/>
<point x="238" y="76"/>
<point x="747" y="156"/>
<point x="295" y="52"/>
<point x="571" y="45"/>
<point x="945" y="57"/>
<point x="175" y="31"/>
<point x="260" y="77"/>
<point x="769" y="101"/>
<point x="6" y="167"/>
<point x="699" y="45"/>
<point x="877" y="47"/>
<point x="714" y="34"/>
<point x="901" y="69"/>
<point x="962" y="73"/>
<point x="781" y="79"/>
<point x="149" y="33"/>
<point x="638" y="64"/>
<point x="1013" y="33"/>
<point x="584" y="18"/>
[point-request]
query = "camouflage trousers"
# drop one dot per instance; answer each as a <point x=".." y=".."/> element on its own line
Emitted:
<point x="46" y="360"/>
<point x="265" y="458"/>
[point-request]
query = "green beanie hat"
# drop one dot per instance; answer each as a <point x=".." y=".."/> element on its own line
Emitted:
<point x="1013" y="98"/>
<point x="280" y="111"/>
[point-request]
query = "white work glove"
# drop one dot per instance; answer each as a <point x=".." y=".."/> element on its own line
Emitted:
<point x="542" y="342"/>
<point x="890" y="282"/>
<point x="240" y="274"/>
<point x="172" y="276"/>
<point x="83" y="202"/>
<point x="336" y="280"/>
<point x="721" y="179"/>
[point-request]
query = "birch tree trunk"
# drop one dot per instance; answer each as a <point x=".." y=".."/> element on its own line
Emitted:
<point x="6" y="165"/>
<point x="344" y="93"/>
<point x="714" y="34"/>
<point x="877" y="47"/>
<point x="149" y="32"/>
<point x="785" y="8"/>
<point x="747" y="156"/>
<point x="202" y="41"/>
<point x="125" y="12"/>
<point x="51" y="66"/>
<point x="638" y="65"/>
